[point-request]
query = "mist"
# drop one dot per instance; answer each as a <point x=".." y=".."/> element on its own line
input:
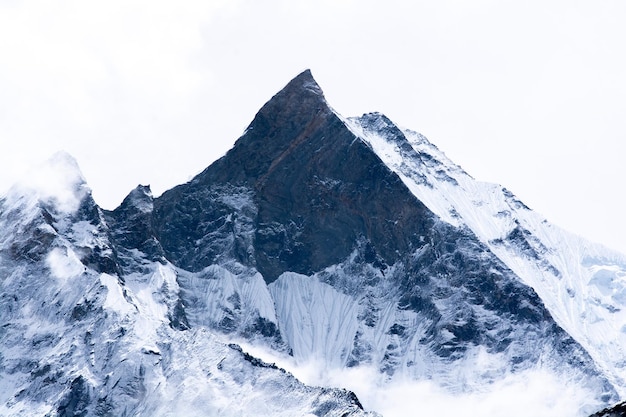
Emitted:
<point x="537" y="392"/>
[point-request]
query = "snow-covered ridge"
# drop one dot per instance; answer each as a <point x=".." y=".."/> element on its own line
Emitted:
<point x="78" y="337"/>
<point x="582" y="284"/>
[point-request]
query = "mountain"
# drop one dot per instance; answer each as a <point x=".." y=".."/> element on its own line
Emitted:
<point x="347" y="243"/>
<point x="91" y="328"/>
<point x="580" y="282"/>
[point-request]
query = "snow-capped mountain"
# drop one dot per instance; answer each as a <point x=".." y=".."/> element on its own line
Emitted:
<point x="89" y="328"/>
<point x="581" y="283"/>
<point x="348" y="243"/>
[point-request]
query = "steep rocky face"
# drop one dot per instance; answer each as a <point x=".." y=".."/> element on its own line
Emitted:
<point x="314" y="189"/>
<point x="132" y="230"/>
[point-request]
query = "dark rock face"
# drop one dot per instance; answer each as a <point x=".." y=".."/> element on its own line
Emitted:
<point x="315" y="190"/>
<point x="101" y="257"/>
<point x="198" y="226"/>
<point x="131" y="228"/>
<point x="458" y="271"/>
<point x="132" y="223"/>
<point x="76" y="401"/>
<point x="618" y="410"/>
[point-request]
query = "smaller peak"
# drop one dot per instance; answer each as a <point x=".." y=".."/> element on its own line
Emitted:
<point x="57" y="181"/>
<point x="140" y="198"/>
<point x="379" y="122"/>
<point x="141" y="191"/>
<point x="305" y="74"/>
<point x="377" y="118"/>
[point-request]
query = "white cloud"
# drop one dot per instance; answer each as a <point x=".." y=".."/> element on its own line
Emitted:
<point x="531" y="393"/>
<point x="537" y="392"/>
<point x="57" y="181"/>
<point x="64" y="264"/>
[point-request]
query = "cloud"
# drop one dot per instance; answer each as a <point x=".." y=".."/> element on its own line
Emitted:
<point x="64" y="264"/>
<point x="531" y="393"/>
<point x="58" y="182"/>
<point x="535" y="392"/>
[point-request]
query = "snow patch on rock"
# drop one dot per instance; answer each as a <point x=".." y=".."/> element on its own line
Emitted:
<point x="115" y="299"/>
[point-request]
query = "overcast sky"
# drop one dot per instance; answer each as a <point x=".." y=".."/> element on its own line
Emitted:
<point x="531" y="95"/>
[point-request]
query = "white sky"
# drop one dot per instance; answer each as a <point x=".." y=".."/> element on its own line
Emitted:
<point x="531" y="95"/>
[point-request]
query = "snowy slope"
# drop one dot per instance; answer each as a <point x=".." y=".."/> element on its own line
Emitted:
<point x="78" y="337"/>
<point x="583" y="284"/>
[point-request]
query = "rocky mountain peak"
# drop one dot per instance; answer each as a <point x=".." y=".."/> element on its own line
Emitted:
<point x="304" y="80"/>
<point x="302" y="97"/>
<point x="315" y="189"/>
<point x="132" y="226"/>
<point x="140" y="199"/>
<point x="283" y="124"/>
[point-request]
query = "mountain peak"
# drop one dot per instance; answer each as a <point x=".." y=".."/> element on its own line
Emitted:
<point x="281" y="125"/>
<point x="315" y="187"/>
<point x="141" y="198"/>
<point x="302" y="97"/>
<point x="305" y="80"/>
